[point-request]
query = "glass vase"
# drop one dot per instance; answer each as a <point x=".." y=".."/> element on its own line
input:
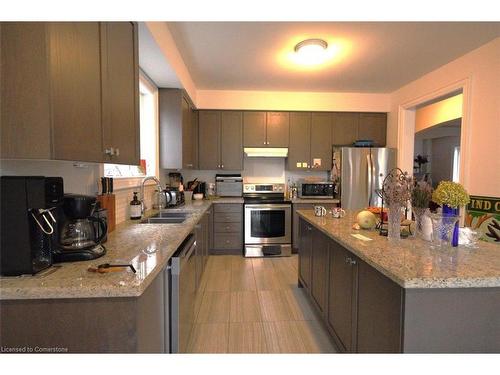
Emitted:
<point x="449" y="211"/>
<point x="394" y="222"/>
<point x="419" y="213"/>
<point x="442" y="230"/>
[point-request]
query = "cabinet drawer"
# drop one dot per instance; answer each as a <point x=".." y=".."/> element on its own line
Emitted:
<point x="230" y="217"/>
<point x="228" y="207"/>
<point x="227" y="240"/>
<point x="227" y="227"/>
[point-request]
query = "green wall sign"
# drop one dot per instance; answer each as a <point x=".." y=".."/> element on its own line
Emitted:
<point x="483" y="214"/>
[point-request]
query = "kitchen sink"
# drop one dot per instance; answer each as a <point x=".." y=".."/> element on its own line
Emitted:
<point x="166" y="218"/>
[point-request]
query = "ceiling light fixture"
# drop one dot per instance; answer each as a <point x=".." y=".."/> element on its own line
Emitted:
<point x="312" y="51"/>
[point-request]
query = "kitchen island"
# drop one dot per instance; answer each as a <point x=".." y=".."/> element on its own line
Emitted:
<point x="380" y="296"/>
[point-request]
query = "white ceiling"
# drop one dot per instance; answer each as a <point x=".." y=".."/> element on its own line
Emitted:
<point x="153" y="62"/>
<point x="380" y="56"/>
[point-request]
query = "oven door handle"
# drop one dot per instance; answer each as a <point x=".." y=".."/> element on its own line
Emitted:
<point x="260" y="207"/>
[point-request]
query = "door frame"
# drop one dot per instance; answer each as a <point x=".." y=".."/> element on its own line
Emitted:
<point x="406" y="127"/>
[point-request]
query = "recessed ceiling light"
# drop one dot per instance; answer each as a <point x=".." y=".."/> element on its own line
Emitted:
<point x="312" y="51"/>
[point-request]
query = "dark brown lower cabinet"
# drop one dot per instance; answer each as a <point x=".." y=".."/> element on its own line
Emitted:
<point x="305" y="253"/>
<point x="361" y="307"/>
<point x="227" y="229"/>
<point x="379" y="312"/>
<point x="342" y="295"/>
<point x="319" y="269"/>
<point x="367" y="312"/>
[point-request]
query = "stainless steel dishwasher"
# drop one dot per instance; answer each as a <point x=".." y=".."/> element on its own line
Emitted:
<point x="182" y="277"/>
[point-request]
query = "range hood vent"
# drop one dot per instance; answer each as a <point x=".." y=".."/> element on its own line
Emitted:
<point x="266" y="152"/>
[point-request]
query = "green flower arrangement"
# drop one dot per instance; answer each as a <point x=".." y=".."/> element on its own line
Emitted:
<point x="451" y="194"/>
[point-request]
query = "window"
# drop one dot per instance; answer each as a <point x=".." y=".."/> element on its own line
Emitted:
<point x="456" y="164"/>
<point x="148" y="117"/>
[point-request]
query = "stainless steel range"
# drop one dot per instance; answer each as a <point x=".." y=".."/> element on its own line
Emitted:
<point x="268" y="220"/>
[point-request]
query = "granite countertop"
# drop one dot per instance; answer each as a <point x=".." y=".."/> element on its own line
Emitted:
<point x="411" y="262"/>
<point x="315" y="200"/>
<point x="147" y="246"/>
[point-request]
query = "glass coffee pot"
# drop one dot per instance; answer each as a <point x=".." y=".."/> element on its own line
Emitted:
<point x="79" y="234"/>
<point x="79" y="229"/>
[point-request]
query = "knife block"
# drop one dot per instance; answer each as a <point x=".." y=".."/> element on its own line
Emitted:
<point x="107" y="201"/>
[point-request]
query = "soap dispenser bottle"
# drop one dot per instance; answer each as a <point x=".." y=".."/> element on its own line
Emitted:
<point x="135" y="208"/>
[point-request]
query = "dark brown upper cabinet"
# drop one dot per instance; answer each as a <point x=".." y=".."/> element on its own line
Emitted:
<point x="266" y="129"/>
<point x="349" y="127"/>
<point x="310" y="144"/>
<point x="373" y="126"/>
<point x="209" y="139"/>
<point x="254" y="129"/>
<point x="221" y="140"/>
<point x="178" y="141"/>
<point x="321" y="146"/>
<point x="277" y="130"/>
<point x="70" y="91"/>
<point x="120" y="72"/>
<point x="345" y="128"/>
<point x="299" y="148"/>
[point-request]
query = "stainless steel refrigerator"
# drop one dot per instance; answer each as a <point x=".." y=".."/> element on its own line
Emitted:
<point x="359" y="172"/>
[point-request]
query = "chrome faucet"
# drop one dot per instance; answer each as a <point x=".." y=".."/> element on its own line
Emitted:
<point x="158" y="184"/>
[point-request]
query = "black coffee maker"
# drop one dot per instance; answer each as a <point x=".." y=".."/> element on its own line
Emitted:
<point x="29" y="223"/>
<point x="81" y="233"/>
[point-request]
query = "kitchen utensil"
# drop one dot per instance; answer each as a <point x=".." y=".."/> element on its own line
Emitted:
<point x="319" y="211"/>
<point x="106" y="267"/>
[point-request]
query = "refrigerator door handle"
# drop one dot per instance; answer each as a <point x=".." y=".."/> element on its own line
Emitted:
<point x="369" y="170"/>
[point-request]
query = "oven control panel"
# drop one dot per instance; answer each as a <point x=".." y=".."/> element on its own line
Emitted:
<point x="264" y="188"/>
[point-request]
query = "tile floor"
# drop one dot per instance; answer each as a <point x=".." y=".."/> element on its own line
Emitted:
<point x="254" y="306"/>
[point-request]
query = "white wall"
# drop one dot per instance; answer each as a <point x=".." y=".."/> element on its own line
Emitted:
<point x="292" y="101"/>
<point x="442" y="158"/>
<point x="482" y="66"/>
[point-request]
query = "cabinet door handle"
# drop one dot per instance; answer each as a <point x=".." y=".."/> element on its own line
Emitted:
<point x="350" y="261"/>
<point x="309" y="228"/>
<point x="222" y="166"/>
<point x="109" y="151"/>
<point x="265" y="143"/>
<point x="117" y="152"/>
<point x="189" y="165"/>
